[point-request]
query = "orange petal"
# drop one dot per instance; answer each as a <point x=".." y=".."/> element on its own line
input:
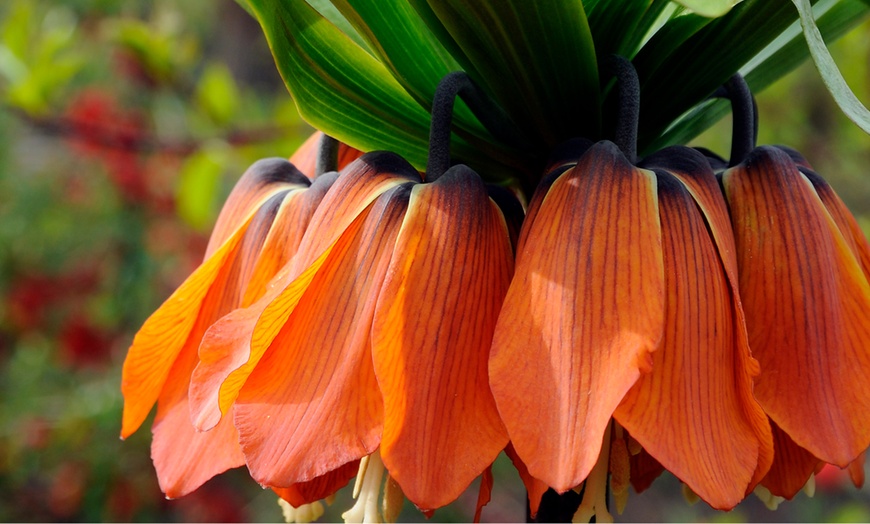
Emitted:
<point x="690" y="412"/>
<point x="856" y="470"/>
<point x="644" y="470"/>
<point x="211" y="291"/>
<point x="183" y="457"/>
<point x="285" y="236"/>
<point x="263" y="179"/>
<point x="807" y="304"/>
<point x="485" y="493"/>
<point x="846" y="223"/>
<point x="431" y="337"/>
<point x="312" y="403"/>
<point x="320" y="487"/>
<point x="229" y="352"/>
<point x="583" y="312"/>
<point x="792" y="466"/>
<point x="305" y="158"/>
<point x="534" y="487"/>
<point x="693" y="170"/>
<point x="225" y="351"/>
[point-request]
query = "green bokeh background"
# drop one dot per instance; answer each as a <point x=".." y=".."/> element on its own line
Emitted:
<point x="123" y="124"/>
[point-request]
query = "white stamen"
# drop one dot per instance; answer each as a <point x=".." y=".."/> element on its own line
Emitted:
<point x="810" y="486"/>
<point x="366" y="491"/>
<point x="594" y="502"/>
<point x="303" y="514"/>
<point x="770" y="500"/>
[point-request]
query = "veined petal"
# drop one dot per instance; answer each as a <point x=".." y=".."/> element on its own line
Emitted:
<point x="263" y="179"/>
<point x="358" y="185"/>
<point x="285" y="235"/>
<point x="807" y="304"/>
<point x="695" y="173"/>
<point x="431" y="336"/>
<point x="690" y="412"/>
<point x="183" y="457"/>
<point x="792" y="466"/>
<point x="312" y="403"/>
<point x="583" y="313"/>
<point x="225" y="350"/>
<point x="564" y="157"/>
<point x="212" y="290"/>
<point x="230" y="351"/>
<point x="320" y="487"/>
<point x="846" y="223"/>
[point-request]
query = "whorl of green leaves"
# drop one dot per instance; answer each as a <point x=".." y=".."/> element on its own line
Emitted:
<point x="364" y="71"/>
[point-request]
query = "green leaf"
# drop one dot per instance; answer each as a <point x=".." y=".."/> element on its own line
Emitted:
<point x="328" y="10"/>
<point x="708" y="8"/>
<point x="537" y="59"/>
<point x="703" y="62"/>
<point x="344" y="91"/>
<point x="831" y="76"/>
<point x="338" y="87"/>
<point x="619" y="25"/>
<point x="783" y="54"/>
<point x="405" y="45"/>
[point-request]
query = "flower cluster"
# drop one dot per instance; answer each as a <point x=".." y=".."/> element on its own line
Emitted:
<point x="675" y="312"/>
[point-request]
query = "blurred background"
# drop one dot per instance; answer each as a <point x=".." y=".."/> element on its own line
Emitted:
<point x="123" y="125"/>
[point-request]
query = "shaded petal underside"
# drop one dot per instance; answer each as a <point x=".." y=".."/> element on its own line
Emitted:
<point x="431" y="337"/>
<point x="583" y="313"/>
<point x="320" y="487"/>
<point x="807" y="304"/>
<point x="792" y="466"/>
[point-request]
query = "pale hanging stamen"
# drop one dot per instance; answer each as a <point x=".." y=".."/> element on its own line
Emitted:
<point x="620" y="469"/>
<point x="769" y="499"/>
<point x="303" y="514"/>
<point x="366" y="491"/>
<point x="394" y="499"/>
<point x="594" y="502"/>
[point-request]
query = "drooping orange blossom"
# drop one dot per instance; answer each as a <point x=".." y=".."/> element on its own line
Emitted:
<point x="804" y="266"/>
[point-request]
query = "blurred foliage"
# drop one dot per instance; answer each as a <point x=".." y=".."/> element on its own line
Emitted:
<point x="123" y="124"/>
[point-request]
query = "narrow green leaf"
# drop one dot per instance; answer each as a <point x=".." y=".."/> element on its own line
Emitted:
<point x="405" y="45"/>
<point x="346" y="92"/>
<point x="704" y="61"/>
<point x="328" y="10"/>
<point x="338" y="87"/>
<point x="708" y="8"/>
<point x="536" y="58"/>
<point x="834" y="81"/>
<point x="618" y="25"/>
<point x="784" y="54"/>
